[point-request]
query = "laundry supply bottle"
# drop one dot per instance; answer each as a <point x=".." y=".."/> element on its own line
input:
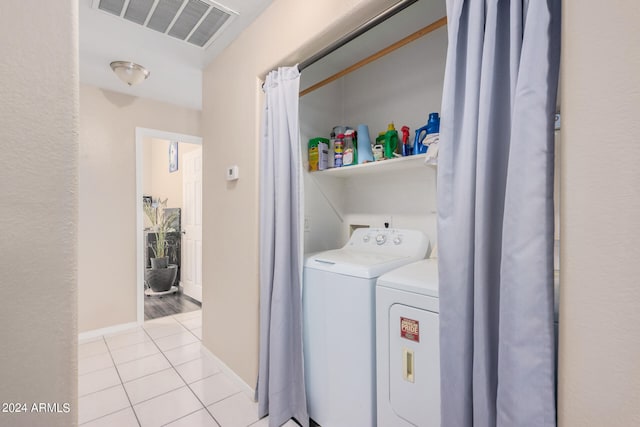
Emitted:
<point x="421" y="144"/>
<point x="338" y="150"/>
<point x="433" y="129"/>
<point x="390" y="141"/>
<point x="350" y="156"/>
<point x="406" y="146"/>
<point x="332" y="151"/>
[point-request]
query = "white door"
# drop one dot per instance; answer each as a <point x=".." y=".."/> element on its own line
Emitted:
<point x="191" y="274"/>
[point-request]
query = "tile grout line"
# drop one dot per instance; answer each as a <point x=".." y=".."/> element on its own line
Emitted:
<point x="185" y="416"/>
<point x="115" y="366"/>
<point x="161" y="394"/>
<point x="105" y="415"/>
<point x="188" y="386"/>
<point x="191" y="390"/>
<point x="166" y="336"/>
<point x="222" y="400"/>
<point x="122" y="384"/>
<point x="125" y="392"/>
<point x="102" y="389"/>
<point x="89" y="357"/>
<point x="128" y="345"/>
<point x="197" y="337"/>
<point x="220" y="372"/>
<point x="189" y="329"/>
<point x="181" y="345"/>
<point x="93" y="372"/>
<point x="145" y="375"/>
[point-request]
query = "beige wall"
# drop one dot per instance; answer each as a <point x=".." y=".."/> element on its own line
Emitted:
<point x="38" y="213"/>
<point x="599" y="383"/>
<point x="107" y="223"/>
<point x="157" y="180"/>
<point x="287" y="32"/>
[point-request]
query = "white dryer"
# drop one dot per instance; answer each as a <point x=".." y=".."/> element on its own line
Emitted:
<point x="339" y="322"/>
<point x="408" y="346"/>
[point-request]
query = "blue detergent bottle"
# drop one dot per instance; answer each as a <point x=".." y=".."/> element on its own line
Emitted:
<point x="432" y="127"/>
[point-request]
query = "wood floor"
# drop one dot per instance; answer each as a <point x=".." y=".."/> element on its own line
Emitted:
<point x="168" y="305"/>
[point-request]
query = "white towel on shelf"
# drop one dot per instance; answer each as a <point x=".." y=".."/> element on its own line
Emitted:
<point x="432" y="153"/>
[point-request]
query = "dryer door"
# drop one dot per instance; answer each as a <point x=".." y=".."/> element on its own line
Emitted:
<point x="414" y="365"/>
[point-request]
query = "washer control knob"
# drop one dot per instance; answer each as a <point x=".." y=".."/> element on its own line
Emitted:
<point x="397" y="240"/>
<point x="380" y="239"/>
<point x="365" y="238"/>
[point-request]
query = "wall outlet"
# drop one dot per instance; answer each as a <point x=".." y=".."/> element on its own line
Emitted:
<point x="307" y="224"/>
<point x="387" y="222"/>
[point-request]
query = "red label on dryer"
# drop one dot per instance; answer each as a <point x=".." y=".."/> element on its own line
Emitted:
<point x="410" y="329"/>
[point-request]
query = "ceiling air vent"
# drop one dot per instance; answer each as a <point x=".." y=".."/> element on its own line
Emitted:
<point x="194" y="21"/>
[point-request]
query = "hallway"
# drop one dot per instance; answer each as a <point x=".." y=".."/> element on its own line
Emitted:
<point x="159" y="374"/>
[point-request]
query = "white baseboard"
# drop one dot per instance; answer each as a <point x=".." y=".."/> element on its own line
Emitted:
<point x="246" y="388"/>
<point x="192" y="291"/>
<point x="108" y="330"/>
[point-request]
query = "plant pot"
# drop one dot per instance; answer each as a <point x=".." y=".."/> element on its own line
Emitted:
<point x="159" y="262"/>
<point x="161" y="279"/>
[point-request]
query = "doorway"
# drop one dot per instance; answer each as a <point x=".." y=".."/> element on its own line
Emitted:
<point x="169" y="181"/>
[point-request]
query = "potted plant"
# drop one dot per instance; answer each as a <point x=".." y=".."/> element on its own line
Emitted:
<point x="161" y="275"/>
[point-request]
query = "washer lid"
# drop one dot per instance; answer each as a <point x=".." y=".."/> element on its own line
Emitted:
<point x="367" y="265"/>
<point x="418" y="277"/>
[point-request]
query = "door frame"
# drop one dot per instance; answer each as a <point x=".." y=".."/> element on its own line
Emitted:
<point x="141" y="134"/>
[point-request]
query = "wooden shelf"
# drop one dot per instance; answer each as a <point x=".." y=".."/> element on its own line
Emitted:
<point x="383" y="166"/>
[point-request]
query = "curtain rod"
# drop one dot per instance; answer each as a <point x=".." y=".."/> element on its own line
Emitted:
<point x="398" y="7"/>
<point x="387" y="50"/>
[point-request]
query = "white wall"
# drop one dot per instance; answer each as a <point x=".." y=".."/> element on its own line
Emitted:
<point x="403" y="87"/>
<point x="38" y="213"/>
<point x="599" y="377"/>
<point x="107" y="289"/>
<point x="323" y="198"/>
<point x="287" y="32"/>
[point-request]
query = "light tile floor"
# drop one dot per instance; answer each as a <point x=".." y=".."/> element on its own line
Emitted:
<point x="159" y="375"/>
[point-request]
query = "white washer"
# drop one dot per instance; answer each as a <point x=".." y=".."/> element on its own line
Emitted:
<point x="339" y="322"/>
<point x="408" y="346"/>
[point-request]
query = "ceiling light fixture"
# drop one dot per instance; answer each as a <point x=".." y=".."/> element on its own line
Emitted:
<point x="129" y="72"/>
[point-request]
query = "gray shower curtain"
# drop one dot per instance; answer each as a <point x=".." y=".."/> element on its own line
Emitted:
<point x="281" y="390"/>
<point x="495" y="213"/>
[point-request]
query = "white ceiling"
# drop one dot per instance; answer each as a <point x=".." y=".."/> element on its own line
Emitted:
<point x="176" y="66"/>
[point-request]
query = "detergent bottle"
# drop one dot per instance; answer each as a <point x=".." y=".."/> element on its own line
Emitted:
<point x="427" y="134"/>
<point x="390" y="141"/>
<point x="350" y="156"/>
<point x="406" y="147"/>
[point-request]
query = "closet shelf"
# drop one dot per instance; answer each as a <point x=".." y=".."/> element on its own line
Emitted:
<point x="383" y="166"/>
